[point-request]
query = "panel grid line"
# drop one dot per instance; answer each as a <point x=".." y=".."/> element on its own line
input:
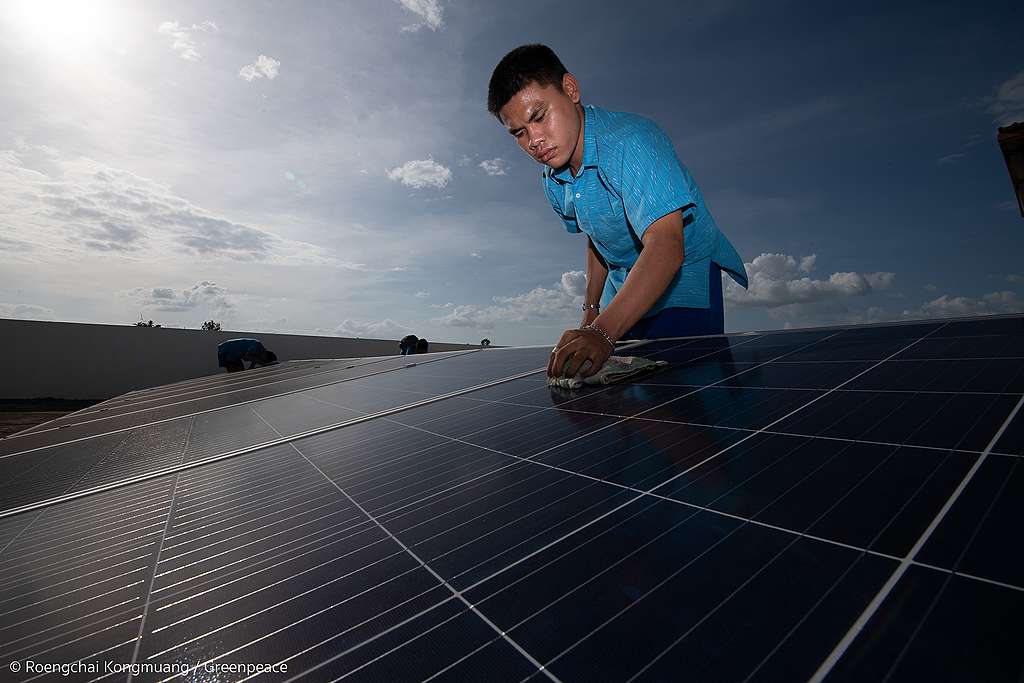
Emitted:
<point x="948" y="579"/>
<point x="719" y="605"/>
<point x="456" y="593"/>
<point x="249" y="449"/>
<point x="159" y="549"/>
<point x="843" y="645"/>
<point x="688" y="423"/>
<point x="644" y="493"/>
<point x="293" y="372"/>
<point x="651" y="490"/>
<point x="750" y="520"/>
<point x="846" y="391"/>
<point x="585" y="525"/>
<point x="211" y="410"/>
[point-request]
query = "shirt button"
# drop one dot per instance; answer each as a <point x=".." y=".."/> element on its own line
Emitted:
<point x="577" y="195"/>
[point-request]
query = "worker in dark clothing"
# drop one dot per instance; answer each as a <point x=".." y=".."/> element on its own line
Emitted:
<point x="234" y="353"/>
<point x="408" y="344"/>
<point x="422" y="346"/>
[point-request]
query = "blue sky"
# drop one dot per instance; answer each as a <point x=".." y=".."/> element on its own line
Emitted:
<point x="330" y="167"/>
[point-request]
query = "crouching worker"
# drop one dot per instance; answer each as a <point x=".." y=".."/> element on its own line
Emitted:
<point x="654" y="254"/>
<point x="234" y="353"/>
<point x="408" y="344"/>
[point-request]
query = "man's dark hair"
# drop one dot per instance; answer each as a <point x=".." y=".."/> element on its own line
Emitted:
<point x="422" y="346"/>
<point x="524" y="65"/>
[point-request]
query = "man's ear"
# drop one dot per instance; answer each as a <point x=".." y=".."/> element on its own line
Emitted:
<point x="571" y="87"/>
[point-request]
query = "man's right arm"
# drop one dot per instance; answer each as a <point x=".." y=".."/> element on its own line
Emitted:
<point x="597" y="272"/>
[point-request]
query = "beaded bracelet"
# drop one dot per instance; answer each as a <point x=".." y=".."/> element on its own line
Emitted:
<point x="597" y="328"/>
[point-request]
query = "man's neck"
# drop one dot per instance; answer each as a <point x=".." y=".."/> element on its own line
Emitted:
<point x="577" y="157"/>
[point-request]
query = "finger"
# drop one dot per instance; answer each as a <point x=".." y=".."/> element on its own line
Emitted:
<point x="558" y="359"/>
<point x="596" y="364"/>
<point x="554" y="363"/>
<point x="561" y="359"/>
<point x="576" y="363"/>
<point x="599" y="356"/>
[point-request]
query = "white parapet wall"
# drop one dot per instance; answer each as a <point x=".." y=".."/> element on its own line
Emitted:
<point x="86" y="361"/>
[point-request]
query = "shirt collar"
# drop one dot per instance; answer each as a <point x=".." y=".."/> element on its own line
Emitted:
<point x="564" y="174"/>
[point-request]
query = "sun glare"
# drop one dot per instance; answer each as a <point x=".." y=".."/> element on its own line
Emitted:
<point x="64" y="26"/>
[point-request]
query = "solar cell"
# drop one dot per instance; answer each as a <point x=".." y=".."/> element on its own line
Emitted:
<point x="828" y="504"/>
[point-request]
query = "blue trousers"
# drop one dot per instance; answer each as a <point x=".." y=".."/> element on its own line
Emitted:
<point x="685" y="322"/>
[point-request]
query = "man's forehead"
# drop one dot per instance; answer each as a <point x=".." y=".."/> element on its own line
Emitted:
<point x="525" y="102"/>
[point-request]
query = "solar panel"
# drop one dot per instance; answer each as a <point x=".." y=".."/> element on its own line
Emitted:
<point x="832" y="504"/>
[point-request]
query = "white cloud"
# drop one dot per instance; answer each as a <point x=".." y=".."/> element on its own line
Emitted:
<point x="947" y="306"/>
<point x="421" y="173"/>
<point x="421" y="295"/>
<point x="950" y="158"/>
<point x="833" y="312"/>
<point x="384" y="329"/>
<point x="276" y="325"/>
<point x="26" y="312"/>
<point x="58" y="206"/>
<point x="263" y="67"/>
<point x="202" y="294"/>
<point x="574" y="283"/>
<point x="475" y="254"/>
<point x="1008" y="102"/>
<point x="780" y="280"/>
<point x="183" y="41"/>
<point x="464" y="160"/>
<point x="496" y="166"/>
<point x="541" y="304"/>
<point x="429" y="12"/>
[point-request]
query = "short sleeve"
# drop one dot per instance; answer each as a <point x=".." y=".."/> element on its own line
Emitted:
<point x="653" y="183"/>
<point x="568" y="217"/>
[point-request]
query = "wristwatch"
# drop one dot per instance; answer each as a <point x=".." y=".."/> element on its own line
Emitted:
<point x="590" y="307"/>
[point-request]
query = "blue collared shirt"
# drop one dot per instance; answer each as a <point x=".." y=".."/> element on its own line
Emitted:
<point x="631" y="177"/>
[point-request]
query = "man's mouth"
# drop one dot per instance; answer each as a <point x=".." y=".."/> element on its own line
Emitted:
<point x="546" y="156"/>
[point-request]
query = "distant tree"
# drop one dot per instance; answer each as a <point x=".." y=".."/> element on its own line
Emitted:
<point x="145" y="324"/>
<point x="485" y="342"/>
<point x="211" y="326"/>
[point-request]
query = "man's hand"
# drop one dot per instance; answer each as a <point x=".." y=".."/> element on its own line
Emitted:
<point x="576" y="347"/>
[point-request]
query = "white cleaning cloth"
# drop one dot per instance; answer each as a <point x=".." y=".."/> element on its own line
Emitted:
<point x="616" y="369"/>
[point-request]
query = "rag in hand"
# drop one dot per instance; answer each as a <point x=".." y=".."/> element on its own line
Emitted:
<point x="616" y="369"/>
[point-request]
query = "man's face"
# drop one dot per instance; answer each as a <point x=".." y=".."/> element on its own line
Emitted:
<point x="546" y="123"/>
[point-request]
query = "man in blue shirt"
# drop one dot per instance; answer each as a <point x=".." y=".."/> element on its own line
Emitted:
<point x="233" y="353"/>
<point x="654" y="253"/>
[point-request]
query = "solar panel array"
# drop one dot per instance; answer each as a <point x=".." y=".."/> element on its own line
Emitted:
<point x="832" y="504"/>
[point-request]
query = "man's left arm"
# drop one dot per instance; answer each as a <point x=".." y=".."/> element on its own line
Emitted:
<point x="659" y="261"/>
